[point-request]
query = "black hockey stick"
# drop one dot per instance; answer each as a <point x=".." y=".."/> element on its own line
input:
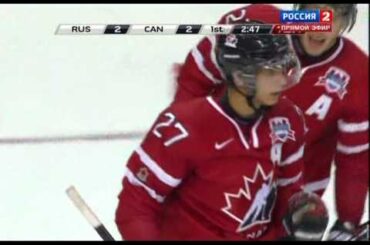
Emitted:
<point x="362" y="233"/>
<point x="89" y="214"/>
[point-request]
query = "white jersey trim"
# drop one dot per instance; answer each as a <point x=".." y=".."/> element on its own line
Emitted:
<point x="254" y="132"/>
<point x="288" y="181"/>
<point x="212" y="40"/>
<point x="156" y="169"/>
<point x="316" y="185"/>
<point x="345" y="149"/>
<point x="214" y="105"/>
<point x="199" y="61"/>
<point x="134" y="181"/>
<point x="332" y="57"/>
<point x="352" y="127"/>
<point x="294" y="157"/>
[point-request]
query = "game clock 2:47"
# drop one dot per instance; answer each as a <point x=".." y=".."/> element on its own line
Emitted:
<point x="252" y="29"/>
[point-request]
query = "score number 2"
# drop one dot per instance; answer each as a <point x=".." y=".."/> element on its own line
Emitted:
<point x="171" y="122"/>
<point x="326" y="16"/>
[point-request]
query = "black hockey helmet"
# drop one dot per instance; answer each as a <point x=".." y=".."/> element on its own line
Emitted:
<point x="347" y="11"/>
<point x="250" y="53"/>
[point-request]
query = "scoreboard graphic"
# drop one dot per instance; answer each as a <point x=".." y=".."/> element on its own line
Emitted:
<point x="291" y="22"/>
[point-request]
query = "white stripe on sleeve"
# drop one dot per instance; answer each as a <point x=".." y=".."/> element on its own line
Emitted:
<point x="345" y="149"/>
<point x="288" y="181"/>
<point x="199" y="61"/>
<point x="352" y="127"/>
<point x="134" y="181"/>
<point x="317" y="185"/>
<point x="294" y="157"/>
<point x="156" y="169"/>
<point x="212" y="40"/>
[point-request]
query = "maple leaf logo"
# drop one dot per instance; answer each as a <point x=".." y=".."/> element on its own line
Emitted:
<point x="249" y="207"/>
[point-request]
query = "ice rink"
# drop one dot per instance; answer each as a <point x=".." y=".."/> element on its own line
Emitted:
<point x="53" y="85"/>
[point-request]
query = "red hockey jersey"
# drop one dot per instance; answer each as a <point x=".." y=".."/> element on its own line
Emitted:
<point x="332" y="93"/>
<point x="199" y="175"/>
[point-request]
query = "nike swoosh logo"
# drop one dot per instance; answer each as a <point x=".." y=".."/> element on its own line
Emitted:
<point x="219" y="146"/>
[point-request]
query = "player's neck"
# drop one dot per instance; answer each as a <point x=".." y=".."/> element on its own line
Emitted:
<point x="238" y="103"/>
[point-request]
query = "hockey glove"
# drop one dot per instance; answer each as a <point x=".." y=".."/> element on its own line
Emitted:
<point x="306" y="218"/>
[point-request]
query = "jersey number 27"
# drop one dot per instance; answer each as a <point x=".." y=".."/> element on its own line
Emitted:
<point x="170" y="122"/>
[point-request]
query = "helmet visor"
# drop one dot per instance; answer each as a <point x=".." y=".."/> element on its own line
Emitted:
<point x="288" y="64"/>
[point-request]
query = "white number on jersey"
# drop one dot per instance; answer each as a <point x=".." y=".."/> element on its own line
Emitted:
<point x="320" y="107"/>
<point x="171" y="122"/>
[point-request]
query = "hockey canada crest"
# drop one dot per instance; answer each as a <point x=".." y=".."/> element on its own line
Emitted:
<point x="231" y="40"/>
<point x="281" y="130"/>
<point x="253" y="204"/>
<point x="335" y="80"/>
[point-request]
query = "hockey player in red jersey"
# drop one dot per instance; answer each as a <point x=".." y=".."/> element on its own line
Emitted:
<point x="333" y="94"/>
<point x="224" y="168"/>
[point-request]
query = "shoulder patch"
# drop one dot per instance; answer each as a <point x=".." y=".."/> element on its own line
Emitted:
<point x="281" y="130"/>
<point x="335" y="80"/>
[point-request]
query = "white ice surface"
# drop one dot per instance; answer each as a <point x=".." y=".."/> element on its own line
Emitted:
<point x="65" y="85"/>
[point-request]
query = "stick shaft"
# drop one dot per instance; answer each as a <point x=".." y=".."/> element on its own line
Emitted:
<point x="88" y="214"/>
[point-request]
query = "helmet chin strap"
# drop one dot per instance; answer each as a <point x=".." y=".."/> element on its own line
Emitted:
<point x="249" y="99"/>
<point x="257" y="111"/>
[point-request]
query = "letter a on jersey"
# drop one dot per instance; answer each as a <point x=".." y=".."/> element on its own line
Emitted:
<point x="320" y="107"/>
